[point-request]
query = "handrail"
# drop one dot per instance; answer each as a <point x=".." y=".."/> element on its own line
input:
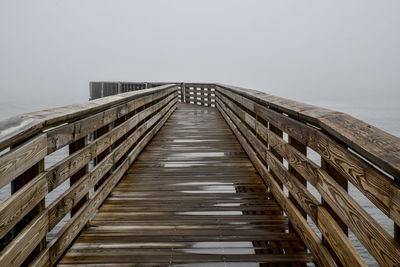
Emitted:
<point x="260" y="122"/>
<point x="120" y="127"/>
<point x="18" y="128"/>
<point x="380" y="147"/>
<point x="193" y="93"/>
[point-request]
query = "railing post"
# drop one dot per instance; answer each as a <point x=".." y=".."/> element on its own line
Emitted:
<point x="17" y="184"/>
<point x="103" y="130"/>
<point x="279" y="133"/>
<point x="342" y="181"/>
<point x="302" y="149"/>
<point x="183" y="89"/>
<point x="75" y="146"/>
<point x="396" y="226"/>
<point x="119" y="88"/>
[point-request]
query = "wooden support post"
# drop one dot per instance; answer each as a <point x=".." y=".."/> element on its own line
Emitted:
<point x="396" y="226"/>
<point x="103" y="130"/>
<point x="278" y="132"/>
<point x="342" y="181"/>
<point x="75" y="146"/>
<point x="183" y="93"/>
<point x="17" y="184"/>
<point x="117" y="122"/>
<point x="302" y="149"/>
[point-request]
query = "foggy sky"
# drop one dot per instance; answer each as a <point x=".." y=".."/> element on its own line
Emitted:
<point x="305" y="50"/>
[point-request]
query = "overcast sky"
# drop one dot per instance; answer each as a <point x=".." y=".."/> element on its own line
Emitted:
<point x="311" y="51"/>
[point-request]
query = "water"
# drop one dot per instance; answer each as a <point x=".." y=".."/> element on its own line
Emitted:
<point x="384" y="117"/>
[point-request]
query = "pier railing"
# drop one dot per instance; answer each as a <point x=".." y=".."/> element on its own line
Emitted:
<point x="193" y="93"/>
<point x="306" y="155"/>
<point x="277" y="133"/>
<point x="120" y="127"/>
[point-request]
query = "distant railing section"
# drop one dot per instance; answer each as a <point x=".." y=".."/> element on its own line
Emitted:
<point x="122" y="125"/>
<point x="193" y="93"/>
<point x="277" y="134"/>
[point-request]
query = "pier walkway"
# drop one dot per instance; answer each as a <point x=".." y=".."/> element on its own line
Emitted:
<point x="199" y="174"/>
<point x="192" y="196"/>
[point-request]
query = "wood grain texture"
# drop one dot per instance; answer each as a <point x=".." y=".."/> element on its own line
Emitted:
<point x="313" y="242"/>
<point x="21" y="158"/>
<point x="377" y="241"/>
<point x="20" y="203"/>
<point x="57" y="247"/>
<point x="381" y="148"/>
<point x="64" y="203"/>
<point x="70" y="165"/>
<point x="18" y="128"/>
<point x="19" y="249"/>
<point x="211" y="196"/>
<point x="377" y="187"/>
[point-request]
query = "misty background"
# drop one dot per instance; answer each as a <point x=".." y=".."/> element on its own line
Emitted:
<point x="341" y="54"/>
<point x="336" y="54"/>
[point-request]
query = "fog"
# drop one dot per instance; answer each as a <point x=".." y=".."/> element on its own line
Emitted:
<point x="312" y="51"/>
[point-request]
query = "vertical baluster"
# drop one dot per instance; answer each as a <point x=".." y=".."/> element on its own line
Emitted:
<point x="103" y="130"/>
<point x="342" y="181"/>
<point x="274" y="152"/>
<point x="396" y="226"/>
<point x="75" y="146"/>
<point x="17" y="184"/>
<point x="302" y="149"/>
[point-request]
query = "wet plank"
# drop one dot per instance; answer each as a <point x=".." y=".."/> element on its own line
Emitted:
<point x="192" y="196"/>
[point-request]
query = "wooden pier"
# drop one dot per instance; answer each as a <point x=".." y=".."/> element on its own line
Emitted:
<point x="195" y="173"/>
<point x="191" y="196"/>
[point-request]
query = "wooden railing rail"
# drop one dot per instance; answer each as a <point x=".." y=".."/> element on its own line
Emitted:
<point x="350" y="150"/>
<point x="193" y="93"/>
<point x="121" y="125"/>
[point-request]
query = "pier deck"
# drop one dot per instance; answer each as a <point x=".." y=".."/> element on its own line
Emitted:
<point x="192" y="196"/>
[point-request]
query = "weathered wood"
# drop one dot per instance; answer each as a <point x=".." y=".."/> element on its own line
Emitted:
<point x="303" y="229"/>
<point x="57" y="247"/>
<point x="21" y="203"/>
<point x="64" y="135"/>
<point x="67" y="167"/>
<point x="376" y="145"/>
<point x="373" y="184"/>
<point x="144" y="226"/>
<point x="20" y="127"/>
<point x="65" y="202"/>
<point x="77" y="145"/>
<point x="338" y="239"/>
<point x="22" y="246"/>
<point x="307" y="169"/>
<point x="21" y="158"/>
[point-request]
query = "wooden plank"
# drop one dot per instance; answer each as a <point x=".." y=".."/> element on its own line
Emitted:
<point x="21" y="247"/>
<point x="300" y="192"/>
<point x="303" y="229"/>
<point x="75" y="146"/>
<point x="65" y="202"/>
<point x="376" y="145"/>
<point x="70" y="165"/>
<point x="338" y="239"/>
<point x="21" y="158"/>
<point x="64" y="135"/>
<point x="21" y="203"/>
<point x="373" y="184"/>
<point x="18" y="128"/>
<point x="192" y="214"/>
<point x="75" y="225"/>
